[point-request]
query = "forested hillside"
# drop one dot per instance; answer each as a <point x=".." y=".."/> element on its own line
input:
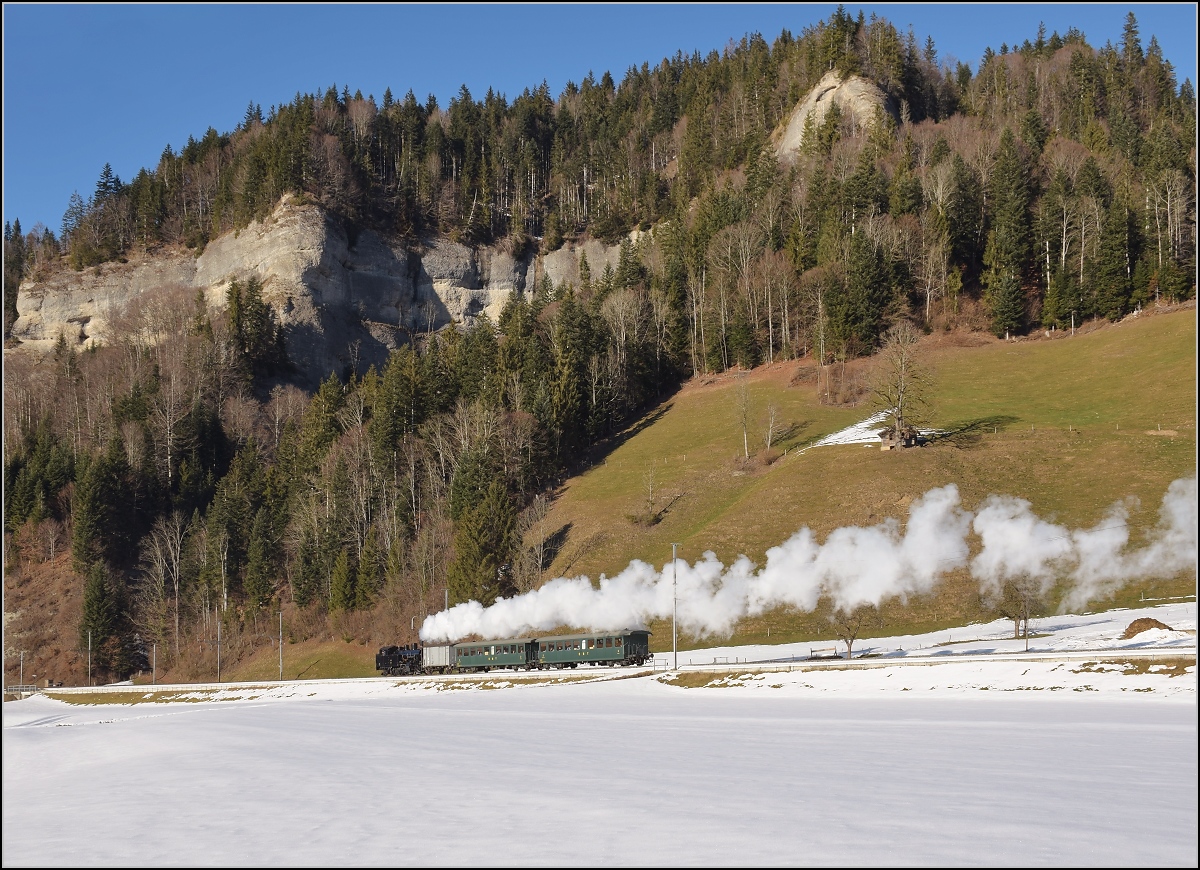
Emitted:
<point x="192" y="483"/>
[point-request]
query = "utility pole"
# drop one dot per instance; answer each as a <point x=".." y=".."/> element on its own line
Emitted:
<point x="21" y="679"/>
<point x="218" y="650"/>
<point x="89" y="656"/>
<point x="674" y="604"/>
<point x="447" y="607"/>
<point x="281" y="646"/>
<point x="154" y="664"/>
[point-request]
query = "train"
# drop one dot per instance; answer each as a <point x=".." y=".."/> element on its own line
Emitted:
<point x="628" y="648"/>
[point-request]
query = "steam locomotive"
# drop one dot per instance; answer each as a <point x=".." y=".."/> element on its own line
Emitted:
<point x="630" y="647"/>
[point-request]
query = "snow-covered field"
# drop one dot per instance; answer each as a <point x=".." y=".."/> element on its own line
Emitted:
<point x="932" y="758"/>
<point x="1050" y="634"/>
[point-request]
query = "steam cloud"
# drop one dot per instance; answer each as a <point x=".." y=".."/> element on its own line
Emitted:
<point x="854" y="566"/>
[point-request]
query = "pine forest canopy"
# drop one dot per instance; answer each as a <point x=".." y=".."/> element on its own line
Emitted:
<point x="1055" y="184"/>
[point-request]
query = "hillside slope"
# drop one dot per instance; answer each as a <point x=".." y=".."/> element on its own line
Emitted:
<point x="1072" y="425"/>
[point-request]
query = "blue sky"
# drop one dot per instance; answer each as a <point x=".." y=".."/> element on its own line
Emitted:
<point x="90" y="84"/>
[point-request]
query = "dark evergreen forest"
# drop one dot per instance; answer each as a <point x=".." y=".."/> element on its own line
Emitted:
<point x="193" y="484"/>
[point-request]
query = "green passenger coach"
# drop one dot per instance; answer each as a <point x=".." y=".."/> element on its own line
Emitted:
<point x="514" y="653"/>
<point x="603" y="648"/>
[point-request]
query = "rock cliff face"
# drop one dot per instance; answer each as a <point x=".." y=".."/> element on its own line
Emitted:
<point x="563" y="265"/>
<point x="341" y="300"/>
<point x="857" y="98"/>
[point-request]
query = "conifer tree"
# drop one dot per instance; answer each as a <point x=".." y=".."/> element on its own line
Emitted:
<point x="1008" y="248"/>
<point x="341" y="584"/>
<point x="14" y="270"/>
<point x="856" y="312"/>
<point x="259" y="582"/>
<point x="100" y="510"/>
<point x="100" y="616"/>
<point x="1112" y="273"/>
<point x="106" y="186"/>
<point x="366" y="579"/>
<point x="483" y="545"/>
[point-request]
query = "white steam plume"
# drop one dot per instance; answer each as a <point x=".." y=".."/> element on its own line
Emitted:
<point x="854" y="566"/>
<point x="1017" y="545"/>
<point x="1172" y="548"/>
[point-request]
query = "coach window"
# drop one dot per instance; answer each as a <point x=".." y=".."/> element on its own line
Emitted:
<point x="619" y="640"/>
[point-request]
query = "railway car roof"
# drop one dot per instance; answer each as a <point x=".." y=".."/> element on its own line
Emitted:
<point x="622" y="632"/>
<point x="489" y="641"/>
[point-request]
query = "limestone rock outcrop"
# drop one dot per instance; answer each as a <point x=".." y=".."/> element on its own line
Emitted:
<point x="858" y="99"/>
<point x="342" y="300"/>
<point x="562" y="266"/>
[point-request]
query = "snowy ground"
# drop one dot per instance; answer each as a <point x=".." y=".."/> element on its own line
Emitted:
<point x="866" y="432"/>
<point x="947" y="760"/>
<point x="1050" y="634"/>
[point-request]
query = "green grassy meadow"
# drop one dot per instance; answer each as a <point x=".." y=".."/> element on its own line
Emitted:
<point x="311" y="660"/>
<point x="1071" y="424"/>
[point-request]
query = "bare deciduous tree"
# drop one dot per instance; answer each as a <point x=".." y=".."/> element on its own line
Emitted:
<point x="849" y="623"/>
<point x="1020" y="599"/>
<point x="741" y="397"/>
<point x="287" y="404"/>
<point x="50" y="535"/>
<point x="535" y="556"/>
<point x="899" y="382"/>
<point x="772" y="424"/>
<point x="773" y="275"/>
<point x="239" y="414"/>
<point x="162" y="559"/>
